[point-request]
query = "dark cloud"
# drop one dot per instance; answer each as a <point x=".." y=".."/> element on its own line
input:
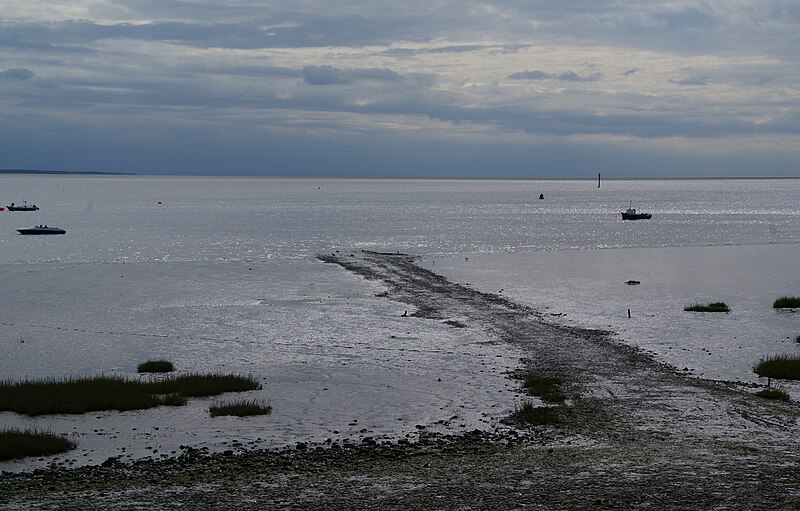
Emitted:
<point x="570" y="76"/>
<point x="329" y="75"/>
<point x="325" y="75"/>
<point x="530" y="75"/>
<point x="687" y="19"/>
<point x="758" y="80"/>
<point x="567" y="76"/>
<point x="17" y="74"/>
<point x="463" y="48"/>
<point x="37" y="37"/>
<point x="692" y="80"/>
<point x="374" y="74"/>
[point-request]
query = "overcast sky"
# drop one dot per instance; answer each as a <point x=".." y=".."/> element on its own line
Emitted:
<point x="510" y="88"/>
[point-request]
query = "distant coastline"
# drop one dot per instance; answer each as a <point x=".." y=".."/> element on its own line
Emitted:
<point x="29" y="171"/>
<point x="591" y="178"/>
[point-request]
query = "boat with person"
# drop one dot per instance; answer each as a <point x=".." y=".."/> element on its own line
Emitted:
<point x="42" y="229"/>
<point x="23" y="207"/>
<point x="631" y="214"/>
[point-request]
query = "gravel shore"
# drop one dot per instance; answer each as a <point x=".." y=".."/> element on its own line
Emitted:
<point x="632" y="434"/>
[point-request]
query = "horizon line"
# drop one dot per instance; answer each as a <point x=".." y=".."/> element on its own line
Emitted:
<point x="594" y="177"/>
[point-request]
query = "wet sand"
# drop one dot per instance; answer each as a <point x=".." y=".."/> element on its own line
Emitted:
<point x="633" y="434"/>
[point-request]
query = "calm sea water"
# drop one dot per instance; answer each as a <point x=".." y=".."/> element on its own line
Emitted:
<point x="220" y="274"/>
<point x="111" y="219"/>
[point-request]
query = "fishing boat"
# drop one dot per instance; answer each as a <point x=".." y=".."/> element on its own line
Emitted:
<point x="631" y="214"/>
<point x="22" y="207"/>
<point x="42" y="229"/>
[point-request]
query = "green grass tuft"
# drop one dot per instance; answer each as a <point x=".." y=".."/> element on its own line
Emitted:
<point x="787" y="302"/>
<point x="16" y="444"/>
<point x="536" y="415"/>
<point x="202" y="385"/>
<point x="710" y="307"/>
<point x="90" y="394"/>
<point x="155" y="366"/>
<point x="240" y="408"/>
<point x="172" y="400"/>
<point x="784" y="367"/>
<point x="545" y="388"/>
<point x="74" y="395"/>
<point x="773" y="394"/>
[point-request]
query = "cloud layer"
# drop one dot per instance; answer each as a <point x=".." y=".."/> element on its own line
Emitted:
<point x="509" y="88"/>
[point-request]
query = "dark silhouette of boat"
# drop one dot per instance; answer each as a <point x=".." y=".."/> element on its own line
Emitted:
<point x="631" y="214"/>
<point x="22" y="207"/>
<point x="42" y="229"/>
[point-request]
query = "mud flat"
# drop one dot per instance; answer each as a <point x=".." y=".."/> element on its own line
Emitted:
<point x="632" y="434"/>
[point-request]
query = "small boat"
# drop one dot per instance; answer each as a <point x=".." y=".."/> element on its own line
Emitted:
<point x="42" y="229"/>
<point x="631" y="214"/>
<point x="22" y="207"/>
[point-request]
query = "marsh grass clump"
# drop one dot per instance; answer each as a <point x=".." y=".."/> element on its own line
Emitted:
<point x="90" y="394"/>
<point x="202" y="385"/>
<point x="172" y="400"/>
<point x="709" y="307"/>
<point x="787" y="302"/>
<point x="16" y="444"/>
<point x="545" y="388"/>
<point x="773" y="394"/>
<point x="536" y="415"/>
<point x="155" y="366"/>
<point x="240" y="408"/>
<point x="75" y="395"/>
<point x="783" y="367"/>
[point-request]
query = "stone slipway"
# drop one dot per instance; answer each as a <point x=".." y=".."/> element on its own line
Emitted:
<point x="620" y="383"/>
<point x="633" y="434"/>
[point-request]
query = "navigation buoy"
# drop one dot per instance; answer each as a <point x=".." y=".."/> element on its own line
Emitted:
<point x="159" y="202"/>
<point x="541" y="196"/>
